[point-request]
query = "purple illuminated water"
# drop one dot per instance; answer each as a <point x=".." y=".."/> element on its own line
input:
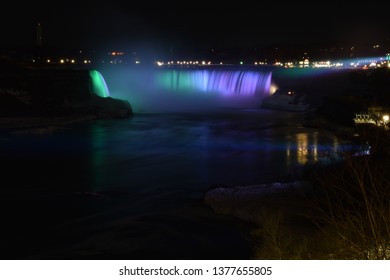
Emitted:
<point x="220" y="82"/>
<point x="155" y="90"/>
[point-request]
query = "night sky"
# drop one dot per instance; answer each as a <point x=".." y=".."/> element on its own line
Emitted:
<point x="123" y="24"/>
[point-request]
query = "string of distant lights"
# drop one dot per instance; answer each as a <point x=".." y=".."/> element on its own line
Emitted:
<point x="366" y="62"/>
<point x="348" y="63"/>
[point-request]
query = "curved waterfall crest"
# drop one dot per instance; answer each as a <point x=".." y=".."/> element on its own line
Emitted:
<point x="223" y="82"/>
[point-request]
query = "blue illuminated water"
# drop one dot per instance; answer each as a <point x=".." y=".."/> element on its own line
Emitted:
<point x="133" y="188"/>
<point x="161" y="90"/>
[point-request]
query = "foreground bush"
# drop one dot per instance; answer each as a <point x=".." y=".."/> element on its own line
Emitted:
<point x="348" y="210"/>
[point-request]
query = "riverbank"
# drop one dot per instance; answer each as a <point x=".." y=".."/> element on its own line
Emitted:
<point x="278" y="215"/>
<point x="39" y="125"/>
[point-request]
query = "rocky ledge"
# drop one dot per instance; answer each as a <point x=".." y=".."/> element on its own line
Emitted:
<point x="286" y="100"/>
<point x="248" y="202"/>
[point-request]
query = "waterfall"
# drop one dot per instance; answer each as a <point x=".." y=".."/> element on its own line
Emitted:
<point x="220" y="82"/>
<point x="164" y="89"/>
<point x="98" y="84"/>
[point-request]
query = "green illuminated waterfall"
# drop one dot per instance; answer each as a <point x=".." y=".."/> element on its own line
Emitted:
<point x="98" y="84"/>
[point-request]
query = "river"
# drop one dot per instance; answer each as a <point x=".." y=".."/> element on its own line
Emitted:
<point x="133" y="188"/>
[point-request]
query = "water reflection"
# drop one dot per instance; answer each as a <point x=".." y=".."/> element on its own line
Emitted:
<point x="153" y="172"/>
<point x="166" y="151"/>
<point x="310" y="147"/>
<point x="302" y="148"/>
<point x="315" y="147"/>
<point x="98" y="158"/>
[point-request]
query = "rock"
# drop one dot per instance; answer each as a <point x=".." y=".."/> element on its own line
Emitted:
<point x="246" y="202"/>
<point x="109" y="107"/>
<point x="286" y="100"/>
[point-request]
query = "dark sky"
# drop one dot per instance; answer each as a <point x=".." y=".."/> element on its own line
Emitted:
<point x="122" y="24"/>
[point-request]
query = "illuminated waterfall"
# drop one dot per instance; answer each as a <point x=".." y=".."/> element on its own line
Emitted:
<point x="163" y="90"/>
<point x="227" y="83"/>
<point x="98" y="84"/>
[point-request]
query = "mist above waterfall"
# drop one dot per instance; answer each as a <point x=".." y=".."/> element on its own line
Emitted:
<point x="156" y="90"/>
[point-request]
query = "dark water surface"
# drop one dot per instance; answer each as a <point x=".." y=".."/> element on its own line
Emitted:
<point x="133" y="188"/>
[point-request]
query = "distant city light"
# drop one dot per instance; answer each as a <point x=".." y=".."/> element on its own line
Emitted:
<point x="362" y="63"/>
<point x="118" y="57"/>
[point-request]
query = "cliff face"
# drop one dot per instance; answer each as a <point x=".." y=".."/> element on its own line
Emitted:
<point x="54" y="92"/>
